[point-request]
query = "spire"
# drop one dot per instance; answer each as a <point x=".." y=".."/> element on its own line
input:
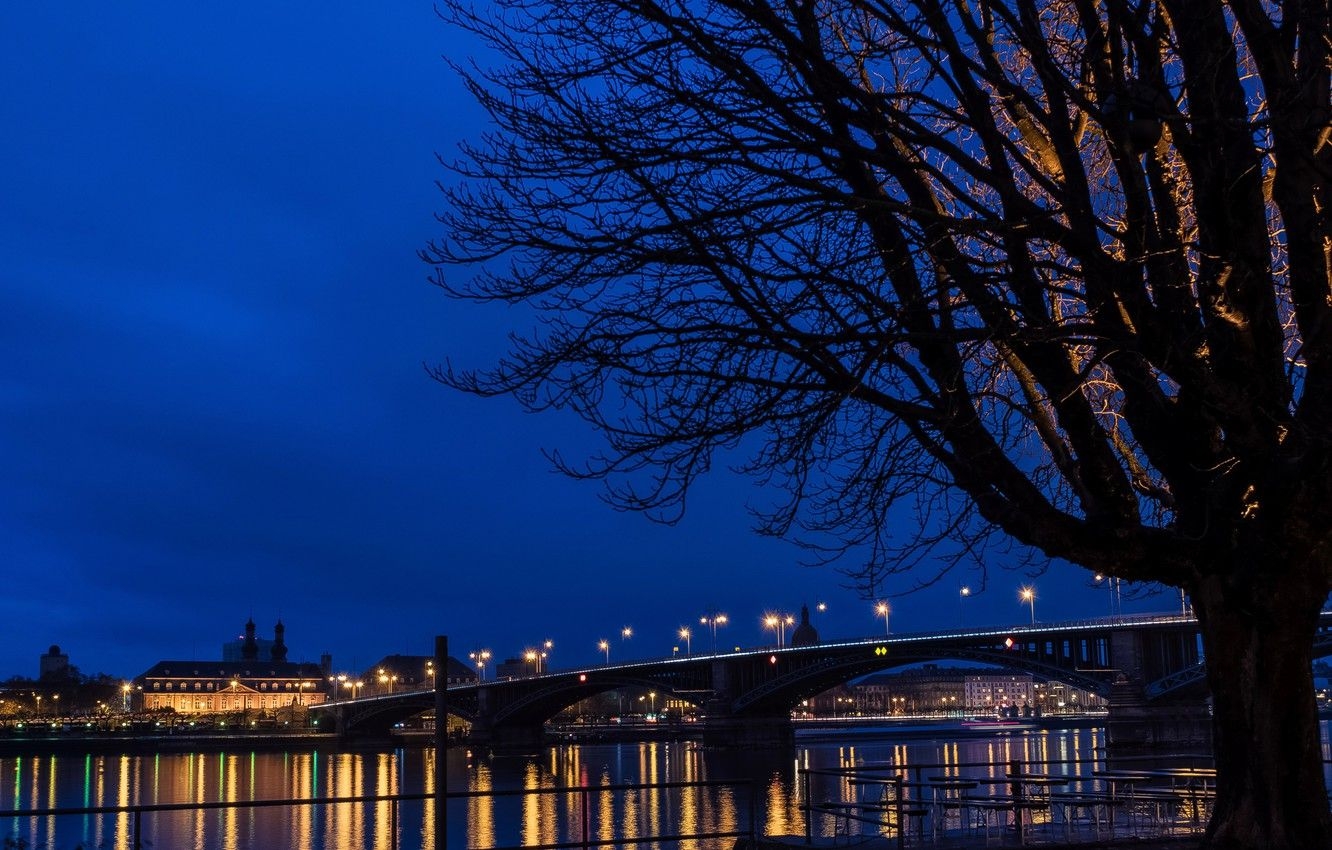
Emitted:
<point x="279" y="650"/>
<point x="249" y="649"/>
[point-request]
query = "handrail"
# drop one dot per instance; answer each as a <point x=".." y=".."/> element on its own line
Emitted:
<point x="138" y="810"/>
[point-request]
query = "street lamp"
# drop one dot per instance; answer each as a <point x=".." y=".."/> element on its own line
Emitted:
<point x="688" y="639"/>
<point x="604" y="646"/>
<point x="532" y="657"/>
<point x="884" y="610"/>
<point x="778" y="622"/>
<point x="125" y="692"/>
<point x="712" y="620"/>
<point x="1115" y="601"/>
<point x="962" y="593"/>
<point x="430" y="671"/>
<point x="1028" y="595"/>
<point x="480" y="657"/>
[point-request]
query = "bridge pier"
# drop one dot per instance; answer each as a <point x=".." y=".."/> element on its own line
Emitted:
<point x="1137" y="724"/>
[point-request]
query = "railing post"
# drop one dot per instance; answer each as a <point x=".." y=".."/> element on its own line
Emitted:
<point x="587" y="810"/>
<point x="393" y="823"/>
<point x="753" y="813"/>
<point x="809" y="810"/>
<point x="897" y="802"/>
<point x="441" y="741"/>
<point x="1015" y="790"/>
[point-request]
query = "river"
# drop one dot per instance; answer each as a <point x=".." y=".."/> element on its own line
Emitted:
<point x="767" y="785"/>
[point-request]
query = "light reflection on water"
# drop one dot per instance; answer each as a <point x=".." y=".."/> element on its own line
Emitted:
<point x="772" y="779"/>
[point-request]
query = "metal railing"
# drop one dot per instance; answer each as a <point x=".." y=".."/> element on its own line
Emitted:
<point x="584" y="792"/>
<point x="1002" y="788"/>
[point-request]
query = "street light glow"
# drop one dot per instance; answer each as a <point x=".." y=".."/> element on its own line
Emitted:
<point x="1028" y="596"/>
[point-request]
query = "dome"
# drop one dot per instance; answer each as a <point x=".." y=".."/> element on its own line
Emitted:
<point x="804" y="634"/>
<point x="54" y="650"/>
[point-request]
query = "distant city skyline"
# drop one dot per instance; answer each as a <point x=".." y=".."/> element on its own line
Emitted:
<point x="214" y="403"/>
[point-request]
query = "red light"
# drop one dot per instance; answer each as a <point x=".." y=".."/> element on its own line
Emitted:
<point x="582" y="677"/>
<point x="1008" y="643"/>
<point x="772" y="659"/>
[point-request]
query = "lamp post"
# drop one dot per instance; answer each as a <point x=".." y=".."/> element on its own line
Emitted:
<point x="962" y="593"/>
<point x="884" y="610"/>
<point x="1028" y="596"/>
<point x="430" y="671"/>
<point x="712" y="620"/>
<point x="480" y="657"/>
<point x="688" y="639"/>
<point x="772" y="621"/>
<point x="1116" y="603"/>
<point x="124" y="696"/>
<point x="604" y="646"/>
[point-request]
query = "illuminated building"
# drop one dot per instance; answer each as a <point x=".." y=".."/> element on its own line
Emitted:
<point x="251" y="683"/>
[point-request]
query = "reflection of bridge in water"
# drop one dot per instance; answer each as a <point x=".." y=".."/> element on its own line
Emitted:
<point x="1149" y="667"/>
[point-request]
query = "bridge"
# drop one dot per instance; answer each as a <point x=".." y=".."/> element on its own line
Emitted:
<point x="1150" y="667"/>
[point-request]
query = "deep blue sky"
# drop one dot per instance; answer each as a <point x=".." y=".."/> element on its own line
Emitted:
<point x="212" y="399"/>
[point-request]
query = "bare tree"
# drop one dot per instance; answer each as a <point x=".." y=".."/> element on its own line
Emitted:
<point x="1054" y="272"/>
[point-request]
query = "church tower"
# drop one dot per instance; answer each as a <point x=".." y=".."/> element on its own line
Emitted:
<point x="250" y="649"/>
<point x="279" y="648"/>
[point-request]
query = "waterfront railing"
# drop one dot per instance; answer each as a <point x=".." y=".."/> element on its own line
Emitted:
<point x="1071" y="800"/>
<point x="585" y="794"/>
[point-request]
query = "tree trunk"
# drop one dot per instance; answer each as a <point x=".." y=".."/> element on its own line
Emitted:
<point x="1259" y="646"/>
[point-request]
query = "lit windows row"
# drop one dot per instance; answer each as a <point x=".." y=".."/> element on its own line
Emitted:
<point x="263" y="686"/>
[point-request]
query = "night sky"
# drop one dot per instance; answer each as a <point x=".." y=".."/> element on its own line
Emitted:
<point x="213" y="397"/>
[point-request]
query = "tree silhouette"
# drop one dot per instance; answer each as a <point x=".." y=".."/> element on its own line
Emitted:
<point x="1053" y="272"/>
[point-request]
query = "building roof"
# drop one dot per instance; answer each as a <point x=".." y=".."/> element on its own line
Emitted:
<point x="254" y="668"/>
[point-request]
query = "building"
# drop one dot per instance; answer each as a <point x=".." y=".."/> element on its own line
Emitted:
<point x="997" y="691"/>
<point x="805" y="634"/>
<point x="412" y="673"/>
<point x="54" y="665"/>
<point x="250" y="683"/>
